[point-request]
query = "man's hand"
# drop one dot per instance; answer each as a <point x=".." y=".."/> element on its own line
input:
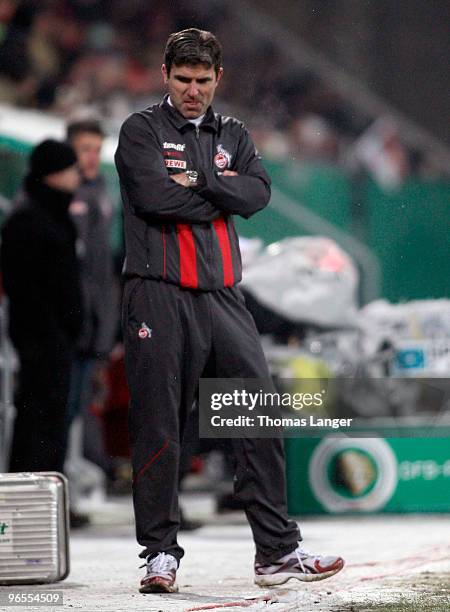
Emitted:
<point x="181" y="178"/>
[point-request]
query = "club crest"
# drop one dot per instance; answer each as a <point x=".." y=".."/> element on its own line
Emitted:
<point x="144" y="331"/>
<point x="222" y="159"/>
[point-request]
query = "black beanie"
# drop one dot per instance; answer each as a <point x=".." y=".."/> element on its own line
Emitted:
<point x="50" y="156"/>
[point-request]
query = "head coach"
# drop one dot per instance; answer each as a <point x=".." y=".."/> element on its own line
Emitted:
<point x="184" y="172"/>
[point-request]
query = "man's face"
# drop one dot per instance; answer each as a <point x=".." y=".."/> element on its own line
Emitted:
<point x="88" y="147"/>
<point x="191" y="88"/>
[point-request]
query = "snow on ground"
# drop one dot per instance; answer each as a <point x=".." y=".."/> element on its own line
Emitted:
<point x="390" y="558"/>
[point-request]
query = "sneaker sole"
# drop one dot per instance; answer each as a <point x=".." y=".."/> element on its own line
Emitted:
<point x="277" y="579"/>
<point x="158" y="588"/>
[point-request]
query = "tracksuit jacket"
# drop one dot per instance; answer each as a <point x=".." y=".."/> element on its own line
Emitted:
<point x="179" y="235"/>
<point x="92" y="211"/>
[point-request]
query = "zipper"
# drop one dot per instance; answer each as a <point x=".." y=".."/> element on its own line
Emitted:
<point x="147" y="246"/>
<point x="203" y="156"/>
<point x="163" y="231"/>
<point x="206" y="233"/>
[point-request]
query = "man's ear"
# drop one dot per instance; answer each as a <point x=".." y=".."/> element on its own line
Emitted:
<point x="219" y="74"/>
<point x="164" y="73"/>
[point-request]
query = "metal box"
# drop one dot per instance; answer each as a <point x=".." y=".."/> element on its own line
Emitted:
<point x="34" y="528"/>
<point x="8" y="367"/>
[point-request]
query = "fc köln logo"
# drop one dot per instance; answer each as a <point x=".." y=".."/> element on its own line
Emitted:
<point x="222" y="159"/>
<point x="144" y="331"/>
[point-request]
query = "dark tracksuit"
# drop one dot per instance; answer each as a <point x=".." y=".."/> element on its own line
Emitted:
<point x="183" y="315"/>
<point x="92" y="212"/>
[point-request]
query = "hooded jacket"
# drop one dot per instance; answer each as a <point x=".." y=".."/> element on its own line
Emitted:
<point x="186" y="236"/>
<point x="40" y="270"/>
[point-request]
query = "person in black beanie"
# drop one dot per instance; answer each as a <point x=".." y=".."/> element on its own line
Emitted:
<point x="41" y="280"/>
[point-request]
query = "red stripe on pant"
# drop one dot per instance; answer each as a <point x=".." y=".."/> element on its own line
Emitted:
<point x="152" y="459"/>
<point x="188" y="258"/>
<point x="220" y="226"/>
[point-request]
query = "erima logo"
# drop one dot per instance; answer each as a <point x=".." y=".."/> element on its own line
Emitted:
<point x="171" y="145"/>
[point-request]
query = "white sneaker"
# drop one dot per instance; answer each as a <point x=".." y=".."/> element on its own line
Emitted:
<point x="161" y="574"/>
<point x="299" y="564"/>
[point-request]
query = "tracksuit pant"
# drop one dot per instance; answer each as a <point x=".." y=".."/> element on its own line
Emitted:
<point x="172" y="336"/>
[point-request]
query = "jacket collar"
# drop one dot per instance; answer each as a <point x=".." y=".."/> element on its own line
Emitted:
<point x="209" y="120"/>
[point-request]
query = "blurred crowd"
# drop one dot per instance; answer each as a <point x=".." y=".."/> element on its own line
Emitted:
<point x="64" y="55"/>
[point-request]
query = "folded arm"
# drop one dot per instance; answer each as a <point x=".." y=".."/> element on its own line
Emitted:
<point x="146" y="182"/>
<point x="244" y="192"/>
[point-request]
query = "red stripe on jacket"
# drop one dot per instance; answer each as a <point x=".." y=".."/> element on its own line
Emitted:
<point x="225" y="248"/>
<point x="188" y="259"/>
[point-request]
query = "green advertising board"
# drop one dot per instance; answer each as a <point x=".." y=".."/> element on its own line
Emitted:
<point x="333" y="475"/>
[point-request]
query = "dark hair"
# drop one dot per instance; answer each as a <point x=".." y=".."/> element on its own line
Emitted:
<point x="83" y="126"/>
<point x="192" y="47"/>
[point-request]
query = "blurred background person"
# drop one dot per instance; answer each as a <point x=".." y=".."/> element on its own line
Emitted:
<point x="18" y="84"/>
<point x="41" y="280"/>
<point x="92" y="211"/>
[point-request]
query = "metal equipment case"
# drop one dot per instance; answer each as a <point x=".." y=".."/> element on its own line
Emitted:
<point x="34" y="528"/>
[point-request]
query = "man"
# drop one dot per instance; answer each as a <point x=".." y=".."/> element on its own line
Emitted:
<point x="40" y="278"/>
<point x="92" y="212"/>
<point x="184" y="172"/>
